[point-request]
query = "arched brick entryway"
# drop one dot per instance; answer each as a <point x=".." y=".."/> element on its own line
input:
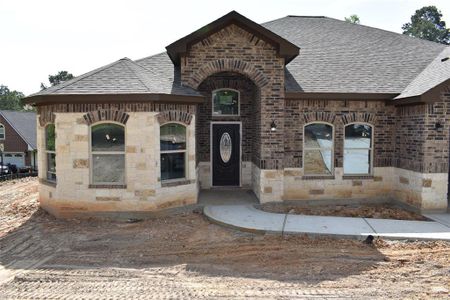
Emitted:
<point x="227" y="65"/>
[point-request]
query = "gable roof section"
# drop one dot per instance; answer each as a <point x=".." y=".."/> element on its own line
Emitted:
<point x="339" y="57"/>
<point x="284" y="47"/>
<point x="24" y="123"/>
<point x="123" y="77"/>
<point x="434" y="74"/>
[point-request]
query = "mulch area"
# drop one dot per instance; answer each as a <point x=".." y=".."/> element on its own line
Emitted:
<point x="377" y="211"/>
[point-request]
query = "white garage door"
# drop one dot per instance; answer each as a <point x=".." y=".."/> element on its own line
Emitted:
<point x="17" y="159"/>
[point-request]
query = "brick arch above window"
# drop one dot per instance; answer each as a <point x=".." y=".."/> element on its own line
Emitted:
<point x="318" y="116"/>
<point x="174" y="116"/>
<point x="227" y="65"/>
<point x="46" y="117"/>
<point x="118" y="116"/>
<point x="359" y="118"/>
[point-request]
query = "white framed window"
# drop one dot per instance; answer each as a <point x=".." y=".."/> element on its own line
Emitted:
<point x="108" y="154"/>
<point x="173" y="151"/>
<point x="358" y="149"/>
<point x="318" y="149"/>
<point x="50" y="139"/>
<point x="225" y="102"/>
<point x="2" y="132"/>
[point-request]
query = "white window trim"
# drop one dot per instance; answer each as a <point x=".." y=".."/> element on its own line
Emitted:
<point x="227" y="115"/>
<point x="92" y="153"/>
<point x="319" y="148"/>
<point x="185" y="151"/>
<point x="47" y="152"/>
<point x="371" y="150"/>
<point x="4" y="131"/>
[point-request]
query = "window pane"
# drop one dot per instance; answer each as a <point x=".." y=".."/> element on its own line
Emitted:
<point x="51" y="166"/>
<point x="172" y="137"/>
<point x="108" y="137"/>
<point x="108" y="168"/>
<point x="50" y="137"/>
<point x="172" y="165"/>
<point x="2" y="132"/>
<point x="317" y="162"/>
<point x="318" y="136"/>
<point x="226" y="102"/>
<point x="356" y="161"/>
<point x="358" y="136"/>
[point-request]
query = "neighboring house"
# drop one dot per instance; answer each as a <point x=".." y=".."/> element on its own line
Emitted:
<point x="18" y="136"/>
<point x="299" y="108"/>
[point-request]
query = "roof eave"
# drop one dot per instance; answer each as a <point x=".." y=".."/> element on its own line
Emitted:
<point x="339" y="96"/>
<point x="112" y="98"/>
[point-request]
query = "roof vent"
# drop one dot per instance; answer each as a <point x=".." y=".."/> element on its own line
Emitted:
<point x="445" y="58"/>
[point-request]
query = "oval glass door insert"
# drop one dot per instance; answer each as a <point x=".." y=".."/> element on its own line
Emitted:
<point x="225" y="147"/>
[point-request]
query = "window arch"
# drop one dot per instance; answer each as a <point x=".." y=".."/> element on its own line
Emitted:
<point x="173" y="151"/>
<point x="50" y="146"/>
<point x="2" y="131"/>
<point x="225" y="102"/>
<point x="318" y="149"/>
<point x="108" y="153"/>
<point x="358" y="149"/>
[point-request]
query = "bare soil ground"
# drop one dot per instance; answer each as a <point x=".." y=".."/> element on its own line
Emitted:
<point x="184" y="256"/>
<point x="379" y="211"/>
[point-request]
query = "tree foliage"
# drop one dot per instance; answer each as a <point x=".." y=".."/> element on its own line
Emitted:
<point x="427" y="24"/>
<point x="10" y="100"/>
<point x="354" y="19"/>
<point x="58" y="78"/>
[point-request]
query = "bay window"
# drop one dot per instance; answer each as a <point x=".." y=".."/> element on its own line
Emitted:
<point x="108" y="154"/>
<point x="173" y="151"/>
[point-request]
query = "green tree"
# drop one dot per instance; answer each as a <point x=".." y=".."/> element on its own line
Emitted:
<point x="427" y="24"/>
<point x="58" y="78"/>
<point x="354" y="19"/>
<point x="10" y="100"/>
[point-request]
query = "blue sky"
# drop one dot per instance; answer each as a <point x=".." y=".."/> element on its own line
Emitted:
<point x="39" y="38"/>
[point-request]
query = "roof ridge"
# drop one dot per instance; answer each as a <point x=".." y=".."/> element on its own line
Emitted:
<point x="14" y="127"/>
<point x="297" y="16"/>
<point x="76" y="79"/>
<point x="150" y="56"/>
<point x="131" y="65"/>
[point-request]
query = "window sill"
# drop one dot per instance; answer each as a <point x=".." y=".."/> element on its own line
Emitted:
<point x="318" y="177"/>
<point x="359" y="177"/>
<point x="172" y="183"/>
<point x="108" y="186"/>
<point x="47" y="182"/>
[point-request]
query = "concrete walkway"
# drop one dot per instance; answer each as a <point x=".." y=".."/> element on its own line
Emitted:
<point x="246" y="217"/>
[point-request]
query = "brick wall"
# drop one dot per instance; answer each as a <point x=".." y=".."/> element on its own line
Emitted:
<point x="248" y="92"/>
<point x="339" y="112"/>
<point x="12" y="142"/>
<point x="419" y="145"/>
<point x="233" y="49"/>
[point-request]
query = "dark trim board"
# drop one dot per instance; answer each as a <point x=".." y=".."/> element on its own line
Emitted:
<point x="112" y="98"/>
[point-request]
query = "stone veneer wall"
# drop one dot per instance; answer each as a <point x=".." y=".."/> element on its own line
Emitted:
<point x="73" y="195"/>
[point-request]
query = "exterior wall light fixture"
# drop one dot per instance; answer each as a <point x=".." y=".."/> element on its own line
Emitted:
<point x="273" y="126"/>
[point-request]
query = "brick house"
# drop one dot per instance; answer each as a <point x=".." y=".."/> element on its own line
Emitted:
<point x="299" y="108"/>
<point x="18" y="137"/>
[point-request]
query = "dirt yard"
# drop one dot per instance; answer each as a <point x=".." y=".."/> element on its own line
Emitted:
<point x="185" y="256"/>
<point x="379" y="211"/>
